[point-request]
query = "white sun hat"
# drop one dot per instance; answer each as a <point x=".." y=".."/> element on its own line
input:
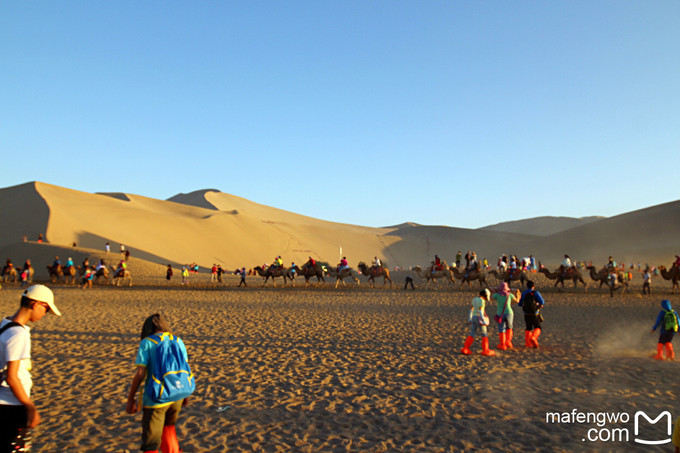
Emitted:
<point x="42" y="293"/>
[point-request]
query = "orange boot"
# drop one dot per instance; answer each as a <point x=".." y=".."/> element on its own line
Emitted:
<point x="670" y="354"/>
<point x="534" y="337"/>
<point x="659" y="351"/>
<point x="169" y="442"/>
<point x="508" y="339"/>
<point x="468" y="342"/>
<point x="527" y="338"/>
<point x="501" y="343"/>
<point x="485" y="347"/>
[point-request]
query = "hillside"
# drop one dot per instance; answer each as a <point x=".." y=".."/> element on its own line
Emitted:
<point x="541" y="226"/>
<point x="209" y="227"/>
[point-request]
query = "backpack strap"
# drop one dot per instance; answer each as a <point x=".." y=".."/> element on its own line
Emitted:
<point x="3" y="374"/>
<point x="9" y="325"/>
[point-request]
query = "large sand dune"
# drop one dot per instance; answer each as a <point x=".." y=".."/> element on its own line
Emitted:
<point x="209" y="227"/>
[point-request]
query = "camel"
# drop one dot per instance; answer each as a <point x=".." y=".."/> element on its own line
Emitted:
<point x="272" y="272"/>
<point x="572" y="274"/>
<point x="507" y="278"/>
<point x="373" y="272"/>
<point x="66" y="272"/>
<point x="673" y="275"/>
<point x="344" y="273"/>
<point x="603" y="276"/>
<point x="9" y="272"/>
<point x="103" y="272"/>
<point x="119" y="276"/>
<point x="473" y="274"/>
<point x="308" y="271"/>
<point x="431" y="277"/>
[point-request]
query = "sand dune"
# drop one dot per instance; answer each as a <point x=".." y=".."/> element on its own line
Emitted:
<point x="541" y="226"/>
<point x="212" y="227"/>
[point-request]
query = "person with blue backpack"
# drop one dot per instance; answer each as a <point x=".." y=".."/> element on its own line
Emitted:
<point x="163" y="364"/>
<point x="668" y="321"/>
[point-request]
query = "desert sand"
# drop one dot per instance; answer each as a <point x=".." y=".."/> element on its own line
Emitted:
<point x="352" y="369"/>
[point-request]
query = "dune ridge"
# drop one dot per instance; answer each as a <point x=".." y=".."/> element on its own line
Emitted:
<point x="208" y="226"/>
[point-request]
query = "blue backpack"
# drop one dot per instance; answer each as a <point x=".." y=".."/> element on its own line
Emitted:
<point x="171" y="378"/>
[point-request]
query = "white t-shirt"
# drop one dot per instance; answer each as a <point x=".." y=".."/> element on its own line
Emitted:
<point x="15" y="344"/>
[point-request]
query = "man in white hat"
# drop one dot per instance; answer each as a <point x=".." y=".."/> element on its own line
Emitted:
<point x="17" y="411"/>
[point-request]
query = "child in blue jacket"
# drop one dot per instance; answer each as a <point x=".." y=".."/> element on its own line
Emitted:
<point x="667" y="332"/>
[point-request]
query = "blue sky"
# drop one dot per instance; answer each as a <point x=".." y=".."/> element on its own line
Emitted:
<point x="456" y="113"/>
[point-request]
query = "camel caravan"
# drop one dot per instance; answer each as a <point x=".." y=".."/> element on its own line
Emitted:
<point x="515" y="272"/>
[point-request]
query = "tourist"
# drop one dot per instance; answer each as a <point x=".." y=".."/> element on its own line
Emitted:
<point x="18" y="414"/>
<point x="532" y="302"/>
<point x="478" y="321"/>
<point x="668" y="321"/>
<point x="159" y="416"/>
<point x="504" y="314"/>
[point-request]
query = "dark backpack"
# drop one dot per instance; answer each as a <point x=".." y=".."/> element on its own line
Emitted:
<point x="529" y="304"/>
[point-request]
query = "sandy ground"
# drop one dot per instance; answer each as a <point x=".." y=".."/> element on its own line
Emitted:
<point x="353" y="369"/>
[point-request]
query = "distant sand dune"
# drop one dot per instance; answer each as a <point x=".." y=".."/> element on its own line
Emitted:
<point x="209" y="227"/>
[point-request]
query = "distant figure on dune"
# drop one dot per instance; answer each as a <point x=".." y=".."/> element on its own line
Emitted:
<point x="168" y="273"/>
<point x="40" y="238"/>
<point x="107" y="247"/>
<point x="185" y="275"/>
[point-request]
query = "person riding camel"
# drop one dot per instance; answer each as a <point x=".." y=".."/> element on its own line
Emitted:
<point x="120" y="271"/>
<point x="343" y="264"/>
<point x="69" y="262"/>
<point x="100" y="265"/>
<point x="278" y="262"/>
<point x="310" y="263"/>
<point x="566" y="265"/>
<point x="473" y="265"/>
<point x="611" y="264"/>
<point x="512" y="268"/>
<point x="376" y="262"/>
<point x="437" y="264"/>
<point x="677" y="261"/>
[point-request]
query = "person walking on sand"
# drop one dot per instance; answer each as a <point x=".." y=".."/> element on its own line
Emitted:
<point x="478" y="321"/>
<point x="168" y="273"/>
<point x="668" y="322"/>
<point x="242" y="273"/>
<point x="504" y="314"/>
<point x="185" y="275"/>
<point x="160" y="354"/>
<point x="647" y="282"/>
<point x="532" y="302"/>
<point x="18" y="414"/>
